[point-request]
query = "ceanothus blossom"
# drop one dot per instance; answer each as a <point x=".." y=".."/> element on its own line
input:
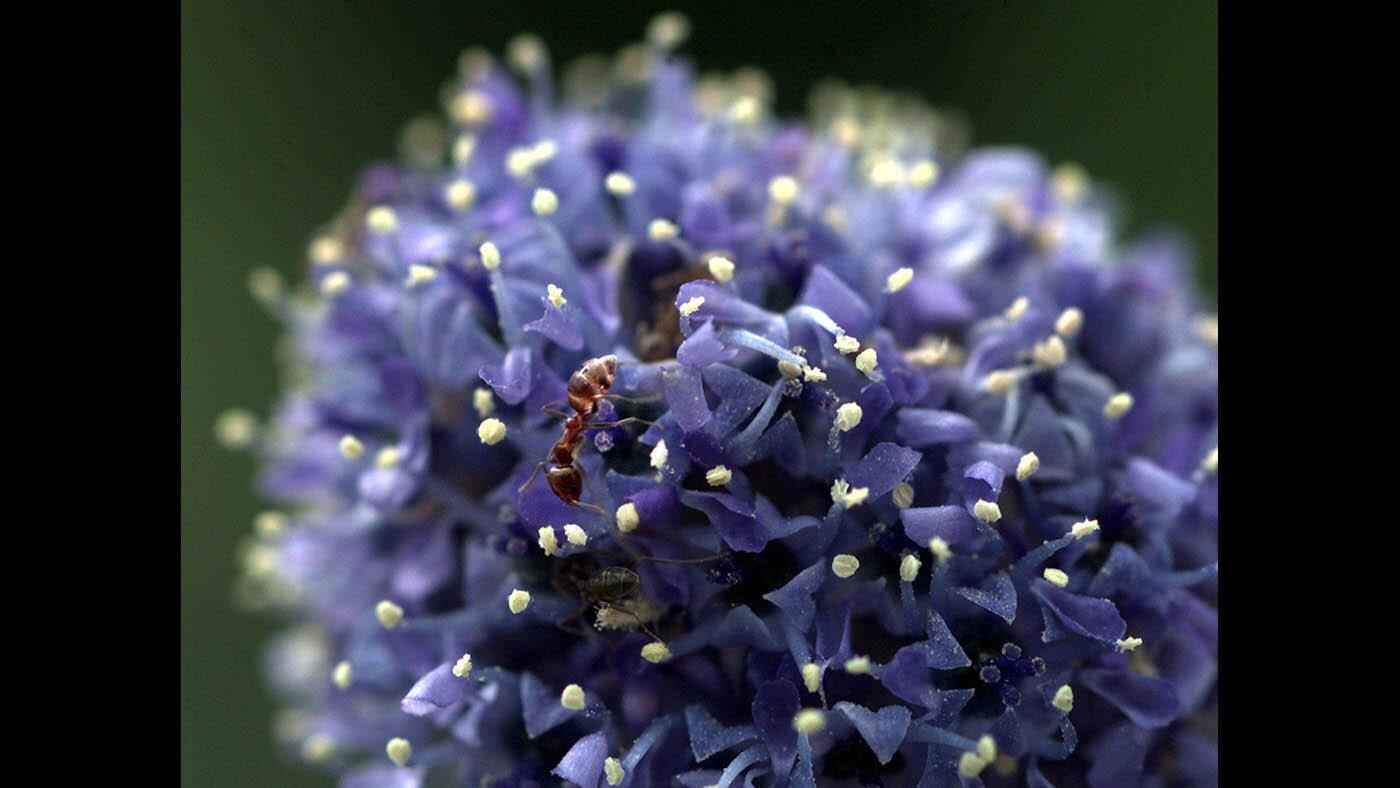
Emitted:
<point x="932" y="457"/>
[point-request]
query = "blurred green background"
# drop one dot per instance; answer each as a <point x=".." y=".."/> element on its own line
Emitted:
<point x="282" y="102"/>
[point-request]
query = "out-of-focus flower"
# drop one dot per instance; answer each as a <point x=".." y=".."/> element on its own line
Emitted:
<point x="913" y="478"/>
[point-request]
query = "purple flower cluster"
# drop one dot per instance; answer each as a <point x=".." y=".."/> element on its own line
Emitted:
<point x="906" y="473"/>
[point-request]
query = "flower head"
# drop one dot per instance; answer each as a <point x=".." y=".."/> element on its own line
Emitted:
<point x="788" y="358"/>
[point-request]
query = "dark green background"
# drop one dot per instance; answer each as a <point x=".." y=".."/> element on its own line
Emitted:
<point x="282" y="102"/>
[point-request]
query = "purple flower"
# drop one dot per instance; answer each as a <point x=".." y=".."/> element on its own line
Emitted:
<point x="910" y="476"/>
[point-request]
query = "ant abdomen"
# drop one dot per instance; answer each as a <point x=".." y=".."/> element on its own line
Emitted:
<point x="566" y="483"/>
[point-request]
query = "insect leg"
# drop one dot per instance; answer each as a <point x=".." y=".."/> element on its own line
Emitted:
<point x="603" y="425"/>
<point x="633" y="400"/>
<point x="562" y="623"/>
<point x="583" y="477"/>
<point x="530" y="480"/>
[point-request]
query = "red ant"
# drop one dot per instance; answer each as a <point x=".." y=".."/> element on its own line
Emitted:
<point x="588" y="386"/>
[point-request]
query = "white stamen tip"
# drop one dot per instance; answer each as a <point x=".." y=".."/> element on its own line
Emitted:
<point x="999" y="381"/>
<point x="572" y="698"/>
<point x="939" y="547"/>
<point x="909" y="568"/>
<point x="544" y="202"/>
<point x="317" y="748"/>
<point x="619" y="184"/>
<point x="399" y="750"/>
<point x="1069" y="181"/>
<point x="1118" y="404"/>
<point x="1083" y="528"/>
<point x="970" y="765"/>
<point x="899" y="279"/>
<point x="886" y="173"/>
<point x="351" y="448"/>
<point x="1207" y="327"/>
<point x="1212" y="461"/>
<point x="462" y="149"/>
<point x="463" y="667"/>
<point x="235" y="429"/>
<point x="420" y="275"/>
<point x="1050" y="353"/>
<point x="490" y="256"/>
<point x="859" y="665"/>
<point x="848" y="416"/>
<point x="789" y="370"/>
<point x="1056" y="577"/>
<point x="491" y="431"/>
<point x="923" y="173"/>
<point x="783" y="189"/>
<point x="745" y="110"/>
<point x="525" y="52"/>
<point x="718" y="476"/>
<point x="265" y="284"/>
<point x="326" y="250"/>
<point x="343" y="674"/>
<point x="520" y="162"/>
<point x="986" y="511"/>
<point x="549" y="541"/>
<point x="627" y="519"/>
<point x="1069" y="322"/>
<point x="656" y="652"/>
<point x="612" y="769"/>
<point x="388" y="613"/>
<point x="335" y="283"/>
<point x="809" y="721"/>
<point x="668" y="30"/>
<point x="471" y="108"/>
<point x="575" y="534"/>
<point x="662" y="230"/>
<point x="842" y="493"/>
<point x="387" y="457"/>
<point x="721" y="268"/>
<point x="518" y="601"/>
<point x="813" y="374"/>
<point x="1128" y="644"/>
<point x="460" y="194"/>
<point x="846" y="344"/>
<point x="1064" y="699"/>
<point x="270" y="524"/>
<point x="382" y="220"/>
<point x="903" y="495"/>
<point x="1027" y="466"/>
<point x="987" y="748"/>
<point x="811" y="676"/>
<point x="844" y="565"/>
<point x="688" y="308"/>
<point x="1017" y="308"/>
<point x="555" y="295"/>
<point x="659" y="455"/>
<point x="483" y="402"/>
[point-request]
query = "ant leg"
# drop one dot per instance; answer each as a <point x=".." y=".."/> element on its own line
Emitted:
<point x="603" y="425"/>
<point x="558" y="414"/>
<point x="633" y="400"/>
<point x="530" y="480"/>
<point x="562" y="623"/>
<point x="592" y="507"/>
<point x="583" y="477"/>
